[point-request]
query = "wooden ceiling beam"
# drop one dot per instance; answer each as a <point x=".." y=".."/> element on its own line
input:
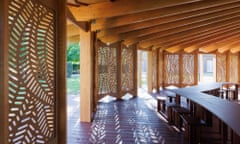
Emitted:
<point x="196" y="27"/>
<point x="121" y="7"/>
<point x="194" y="44"/>
<point x="197" y="8"/>
<point x="189" y="35"/>
<point x="218" y="44"/>
<point x="85" y="25"/>
<point x="72" y="30"/>
<point x="172" y="24"/>
<point x="235" y="48"/>
<point x="73" y="39"/>
<point x="229" y="46"/>
<point x="162" y="30"/>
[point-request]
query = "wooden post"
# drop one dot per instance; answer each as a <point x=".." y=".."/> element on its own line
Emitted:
<point x="180" y="69"/>
<point x="149" y="75"/>
<point x="228" y="66"/>
<point x="61" y="73"/>
<point x="140" y="69"/>
<point x="195" y="67"/>
<point x="86" y="76"/>
<point x="135" y="69"/>
<point x="4" y="72"/>
<point x="160" y="68"/>
<point x="157" y="71"/>
<point x="119" y="69"/>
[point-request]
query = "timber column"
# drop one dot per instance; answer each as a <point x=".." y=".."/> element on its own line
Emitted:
<point x="4" y="72"/>
<point x="86" y="75"/>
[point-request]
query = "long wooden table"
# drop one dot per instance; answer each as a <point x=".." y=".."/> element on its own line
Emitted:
<point x="227" y="111"/>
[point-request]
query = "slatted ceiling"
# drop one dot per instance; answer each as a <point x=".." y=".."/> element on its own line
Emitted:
<point x="235" y="48"/>
<point x="172" y="21"/>
<point x="176" y="25"/>
<point x="228" y="46"/>
<point x="193" y="9"/>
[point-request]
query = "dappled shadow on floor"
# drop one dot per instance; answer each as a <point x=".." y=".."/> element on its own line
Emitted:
<point x="134" y="120"/>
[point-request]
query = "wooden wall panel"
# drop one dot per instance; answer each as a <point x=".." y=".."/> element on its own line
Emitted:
<point x="233" y="71"/>
<point x="106" y="70"/>
<point x="171" y="69"/>
<point x="188" y="69"/>
<point x="128" y="69"/>
<point x="32" y="72"/>
<point x="221" y="64"/>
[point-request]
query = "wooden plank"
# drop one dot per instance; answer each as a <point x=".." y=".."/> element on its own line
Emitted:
<point x="86" y="79"/>
<point x="157" y="38"/>
<point x="72" y="30"/>
<point x="177" y="29"/>
<point x="203" y="25"/>
<point x="122" y="7"/>
<point x="194" y="43"/>
<point x="4" y="72"/>
<point x="179" y="11"/>
<point x="181" y="19"/>
<point x="149" y="72"/>
<point x="61" y="73"/>
<point x="73" y="39"/>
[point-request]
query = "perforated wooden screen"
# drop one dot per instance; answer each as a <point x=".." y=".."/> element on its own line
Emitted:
<point x="188" y="69"/>
<point x="107" y="80"/>
<point x="233" y="71"/>
<point x="31" y="73"/>
<point x="221" y="61"/>
<point x="127" y="78"/>
<point x="171" y="69"/>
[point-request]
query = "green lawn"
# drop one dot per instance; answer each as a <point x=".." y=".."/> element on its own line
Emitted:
<point x="73" y="85"/>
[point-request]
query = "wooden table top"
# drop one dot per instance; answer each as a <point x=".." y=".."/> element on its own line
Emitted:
<point x="227" y="111"/>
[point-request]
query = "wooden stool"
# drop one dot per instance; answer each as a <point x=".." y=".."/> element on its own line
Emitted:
<point x="177" y="112"/>
<point x="161" y="103"/>
<point x="192" y="129"/>
<point x="170" y="115"/>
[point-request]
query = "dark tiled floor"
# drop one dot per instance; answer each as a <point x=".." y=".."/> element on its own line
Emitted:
<point x="123" y="122"/>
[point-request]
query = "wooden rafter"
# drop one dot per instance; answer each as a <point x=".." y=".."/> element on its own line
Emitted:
<point x="121" y="7"/>
<point x="105" y="23"/>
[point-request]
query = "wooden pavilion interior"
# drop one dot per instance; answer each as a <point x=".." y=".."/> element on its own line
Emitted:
<point x="33" y="39"/>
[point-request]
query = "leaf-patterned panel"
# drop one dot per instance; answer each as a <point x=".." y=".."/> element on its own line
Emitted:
<point x="233" y="72"/>
<point x="171" y="64"/>
<point x="188" y="69"/>
<point x="127" y="69"/>
<point x="107" y="69"/>
<point x="31" y="73"/>
<point x="221" y="67"/>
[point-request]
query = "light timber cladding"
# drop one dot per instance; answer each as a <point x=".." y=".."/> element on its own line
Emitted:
<point x="127" y="78"/>
<point x="233" y="76"/>
<point x="221" y="62"/>
<point x="188" y="69"/>
<point x="32" y="96"/>
<point x="106" y="70"/>
<point x="171" y="69"/>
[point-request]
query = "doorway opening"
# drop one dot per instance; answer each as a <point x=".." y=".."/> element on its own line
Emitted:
<point x="142" y="69"/>
<point x="72" y="83"/>
<point x="206" y="68"/>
